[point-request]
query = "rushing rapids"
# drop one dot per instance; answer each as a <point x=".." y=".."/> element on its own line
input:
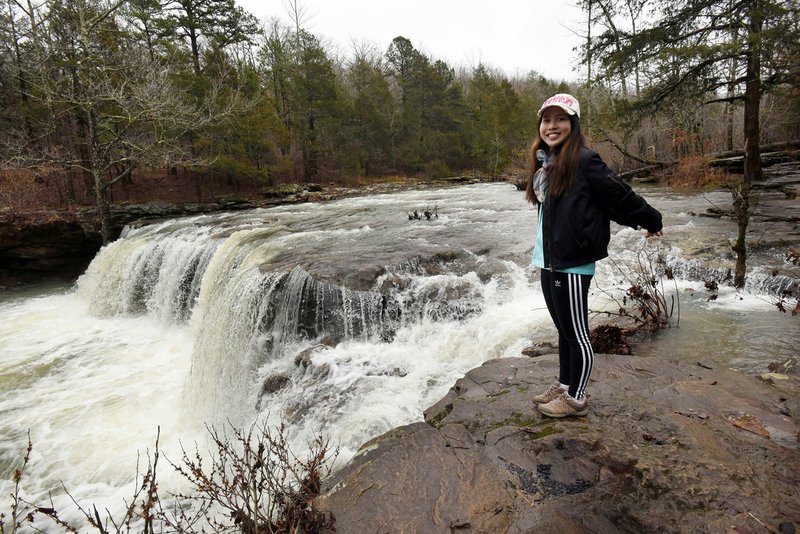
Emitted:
<point x="345" y="318"/>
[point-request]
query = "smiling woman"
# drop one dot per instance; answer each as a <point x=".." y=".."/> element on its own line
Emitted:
<point x="576" y="194"/>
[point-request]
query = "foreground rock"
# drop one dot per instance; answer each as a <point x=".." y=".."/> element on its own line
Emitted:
<point x="667" y="447"/>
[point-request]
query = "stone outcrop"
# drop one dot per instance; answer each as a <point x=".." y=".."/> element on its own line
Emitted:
<point x="54" y="247"/>
<point x="668" y="446"/>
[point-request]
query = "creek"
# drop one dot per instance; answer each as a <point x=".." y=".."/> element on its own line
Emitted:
<point x="345" y="319"/>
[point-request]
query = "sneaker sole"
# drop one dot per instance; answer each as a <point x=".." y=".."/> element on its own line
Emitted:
<point x="579" y="413"/>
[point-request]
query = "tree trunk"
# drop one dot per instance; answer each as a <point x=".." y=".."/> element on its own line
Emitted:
<point x="103" y="209"/>
<point x="195" y="51"/>
<point x="752" y="156"/>
<point x="70" y="186"/>
<point x="588" y="112"/>
<point x="100" y="187"/>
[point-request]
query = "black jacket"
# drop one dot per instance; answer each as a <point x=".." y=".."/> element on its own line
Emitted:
<point x="576" y="225"/>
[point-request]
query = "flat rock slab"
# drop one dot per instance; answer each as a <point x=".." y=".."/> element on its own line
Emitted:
<point x="668" y="446"/>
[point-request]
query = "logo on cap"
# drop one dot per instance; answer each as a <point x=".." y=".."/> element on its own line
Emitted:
<point x="566" y="102"/>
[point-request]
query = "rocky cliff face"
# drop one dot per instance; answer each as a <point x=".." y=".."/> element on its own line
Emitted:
<point x="668" y="446"/>
<point x="52" y="248"/>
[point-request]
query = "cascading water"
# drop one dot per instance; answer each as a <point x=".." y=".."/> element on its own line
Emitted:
<point x="345" y="319"/>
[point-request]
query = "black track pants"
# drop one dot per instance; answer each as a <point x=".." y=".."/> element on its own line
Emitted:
<point x="565" y="295"/>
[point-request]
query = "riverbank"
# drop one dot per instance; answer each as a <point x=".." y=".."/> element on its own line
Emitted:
<point x="671" y="444"/>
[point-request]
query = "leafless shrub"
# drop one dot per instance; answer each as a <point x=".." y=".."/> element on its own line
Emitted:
<point x="792" y="291"/>
<point x="645" y="301"/>
<point x="430" y="212"/>
<point x="254" y="484"/>
<point x="20" y="513"/>
<point x="694" y="172"/>
<point x="19" y="191"/>
<point x="142" y="512"/>
<point x="251" y="484"/>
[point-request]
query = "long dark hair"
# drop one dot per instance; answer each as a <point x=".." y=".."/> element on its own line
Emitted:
<point x="562" y="170"/>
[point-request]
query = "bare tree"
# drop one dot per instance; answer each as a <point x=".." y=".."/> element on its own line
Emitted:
<point x="123" y="108"/>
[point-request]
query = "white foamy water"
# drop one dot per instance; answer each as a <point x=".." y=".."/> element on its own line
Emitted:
<point x="93" y="393"/>
<point x="360" y="389"/>
<point x="203" y="320"/>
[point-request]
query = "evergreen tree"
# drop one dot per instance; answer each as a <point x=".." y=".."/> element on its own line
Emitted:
<point x="366" y="139"/>
<point x="426" y="130"/>
<point x="199" y="21"/>
<point x="499" y="120"/>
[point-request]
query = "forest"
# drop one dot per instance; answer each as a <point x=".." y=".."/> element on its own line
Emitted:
<point x="95" y="92"/>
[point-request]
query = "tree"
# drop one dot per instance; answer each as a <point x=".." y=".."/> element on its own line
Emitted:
<point x="365" y="138"/>
<point x="302" y="79"/>
<point x="144" y="17"/>
<point x="427" y="129"/>
<point x="730" y="51"/>
<point x="403" y="61"/>
<point x="316" y="89"/>
<point x="498" y="116"/>
<point x="220" y="21"/>
<point x="274" y="67"/>
<point x="122" y="109"/>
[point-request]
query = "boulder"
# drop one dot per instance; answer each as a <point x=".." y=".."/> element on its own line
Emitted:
<point x="668" y="446"/>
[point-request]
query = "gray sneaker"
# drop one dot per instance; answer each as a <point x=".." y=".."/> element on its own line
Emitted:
<point x="564" y="406"/>
<point x="552" y="392"/>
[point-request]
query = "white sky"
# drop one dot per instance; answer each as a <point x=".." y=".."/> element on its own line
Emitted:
<point x="516" y="36"/>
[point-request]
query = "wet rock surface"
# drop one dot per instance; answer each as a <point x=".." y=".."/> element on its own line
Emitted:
<point x="668" y="446"/>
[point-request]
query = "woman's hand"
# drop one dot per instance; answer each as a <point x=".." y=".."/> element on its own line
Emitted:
<point x="654" y="234"/>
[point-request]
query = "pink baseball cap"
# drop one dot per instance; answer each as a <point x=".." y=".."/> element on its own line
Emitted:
<point x="566" y="102"/>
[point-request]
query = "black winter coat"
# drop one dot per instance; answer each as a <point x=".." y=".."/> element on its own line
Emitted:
<point x="576" y="227"/>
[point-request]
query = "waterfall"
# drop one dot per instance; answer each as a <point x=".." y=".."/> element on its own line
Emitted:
<point x="251" y="316"/>
<point x="140" y="274"/>
<point x="247" y="310"/>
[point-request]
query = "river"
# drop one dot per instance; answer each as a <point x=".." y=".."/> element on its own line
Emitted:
<point x="345" y="319"/>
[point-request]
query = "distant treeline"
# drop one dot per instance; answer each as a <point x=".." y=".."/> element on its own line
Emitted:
<point x="92" y="86"/>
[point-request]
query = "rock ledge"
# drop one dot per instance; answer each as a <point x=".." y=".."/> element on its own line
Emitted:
<point x="668" y="446"/>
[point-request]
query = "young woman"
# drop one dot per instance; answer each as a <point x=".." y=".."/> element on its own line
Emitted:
<point x="577" y="196"/>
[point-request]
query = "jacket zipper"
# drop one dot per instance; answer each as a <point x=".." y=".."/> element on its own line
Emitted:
<point x="545" y="238"/>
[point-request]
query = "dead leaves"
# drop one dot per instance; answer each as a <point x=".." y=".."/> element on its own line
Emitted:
<point x="742" y="421"/>
<point x="750" y="424"/>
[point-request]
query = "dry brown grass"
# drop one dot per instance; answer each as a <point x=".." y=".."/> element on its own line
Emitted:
<point x="19" y="192"/>
<point x="694" y="172"/>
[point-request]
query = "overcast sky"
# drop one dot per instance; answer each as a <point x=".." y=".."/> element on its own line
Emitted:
<point x="516" y="36"/>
